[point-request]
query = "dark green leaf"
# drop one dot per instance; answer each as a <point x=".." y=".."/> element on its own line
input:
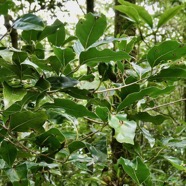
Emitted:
<point x="49" y="30"/>
<point x="172" y="73"/>
<point x="42" y="84"/>
<point x="90" y="29"/>
<point x="168" y="14"/>
<point x="136" y="96"/>
<point x="29" y="22"/>
<point x="11" y="95"/>
<point x="19" y="56"/>
<point x="102" y="113"/>
<point x="64" y="55"/>
<point x="75" y="145"/>
<point x="30" y="35"/>
<point x="106" y="55"/>
<point x="61" y="82"/>
<point x="58" y="37"/>
<point x="167" y="50"/>
<point x="27" y="120"/>
<point x="146" y="117"/>
<point x="8" y="152"/>
<point x="71" y="108"/>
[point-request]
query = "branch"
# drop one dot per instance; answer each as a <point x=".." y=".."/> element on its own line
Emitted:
<point x="118" y="88"/>
<point x="166" y="104"/>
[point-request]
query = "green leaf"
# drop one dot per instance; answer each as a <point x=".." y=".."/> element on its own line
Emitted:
<point x="168" y="14"/>
<point x="49" y="30"/>
<point x="136" y="96"/>
<point x="137" y="170"/>
<point x="177" y="163"/>
<point x="29" y="22"/>
<point x="53" y="139"/>
<point x="11" y="95"/>
<point x="42" y="84"/>
<point x="148" y="136"/>
<point x="90" y="29"/>
<point x="64" y="55"/>
<point x="19" y="56"/>
<point x="58" y="37"/>
<point x="102" y="113"/>
<point x="146" y="117"/>
<point x="27" y="120"/>
<point x="8" y="152"/>
<point x="143" y="13"/>
<point x="75" y="145"/>
<point x="106" y="55"/>
<point x="61" y="82"/>
<point x="129" y="11"/>
<point x="5" y="5"/>
<point x="30" y="35"/>
<point x="71" y="108"/>
<point x="172" y="73"/>
<point x="124" y="129"/>
<point x="167" y="50"/>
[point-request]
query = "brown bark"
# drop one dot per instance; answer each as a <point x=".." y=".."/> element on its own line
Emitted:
<point x="12" y="31"/>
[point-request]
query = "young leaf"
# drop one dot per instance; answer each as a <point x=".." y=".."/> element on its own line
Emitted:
<point x="167" y="50"/>
<point x="106" y="55"/>
<point x="27" y="120"/>
<point x="168" y="14"/>
<point x="8" y="152"/>
<point x="136" y="96"/>
<point x="90" y="29"/>
<point x="29" y="22"/>
<point x="124" y="129"/>
<point x="129" y="11"/>
<point x="11" y="95"/>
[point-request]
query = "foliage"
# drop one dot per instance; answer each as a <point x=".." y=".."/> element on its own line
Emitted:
<point x="58" y="121"/>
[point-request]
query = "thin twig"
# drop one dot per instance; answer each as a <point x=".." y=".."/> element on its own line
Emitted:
<point x="80" y="7"/>
<point x="166" y="104"/>
<point x="118" y="88"/>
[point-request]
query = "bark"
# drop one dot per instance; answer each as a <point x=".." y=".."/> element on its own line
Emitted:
<point x="90" y="6"/>
<point x="12" y="31"/>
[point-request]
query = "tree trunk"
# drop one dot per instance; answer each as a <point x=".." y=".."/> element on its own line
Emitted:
<point x="90" y="6"/>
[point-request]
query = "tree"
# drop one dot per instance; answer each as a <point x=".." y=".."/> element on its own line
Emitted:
<point x="48" y="136"/>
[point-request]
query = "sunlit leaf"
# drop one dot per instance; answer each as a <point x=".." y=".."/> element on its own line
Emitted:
<point x="90" y="29"/>
<point x="148" y="136"/>
<point x="168" y="14"/>
<point x="124" y="129"/>
<point x="11" y="95"/>
<point x="29" y="22"/>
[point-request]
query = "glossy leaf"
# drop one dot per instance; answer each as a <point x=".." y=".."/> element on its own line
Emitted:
<point x="90" y="29"/>
<point x="137" y="170"/>
<point x="27" y="120"/>
<point x="124" y="129"/>
<point x="129" y="11"/>
<point x="11" y="95"/>
<point x="71" y="108"/>
<point x="142" y="12"/>
<point x="167" y="50"/>
<point x="29" y="22"/>
<point x="8" y="152"/>
<point x="136" y="96"/>
<point x="75" y="145"/>
<point x="106" y="55"/>
<point x="168" y="14"/>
